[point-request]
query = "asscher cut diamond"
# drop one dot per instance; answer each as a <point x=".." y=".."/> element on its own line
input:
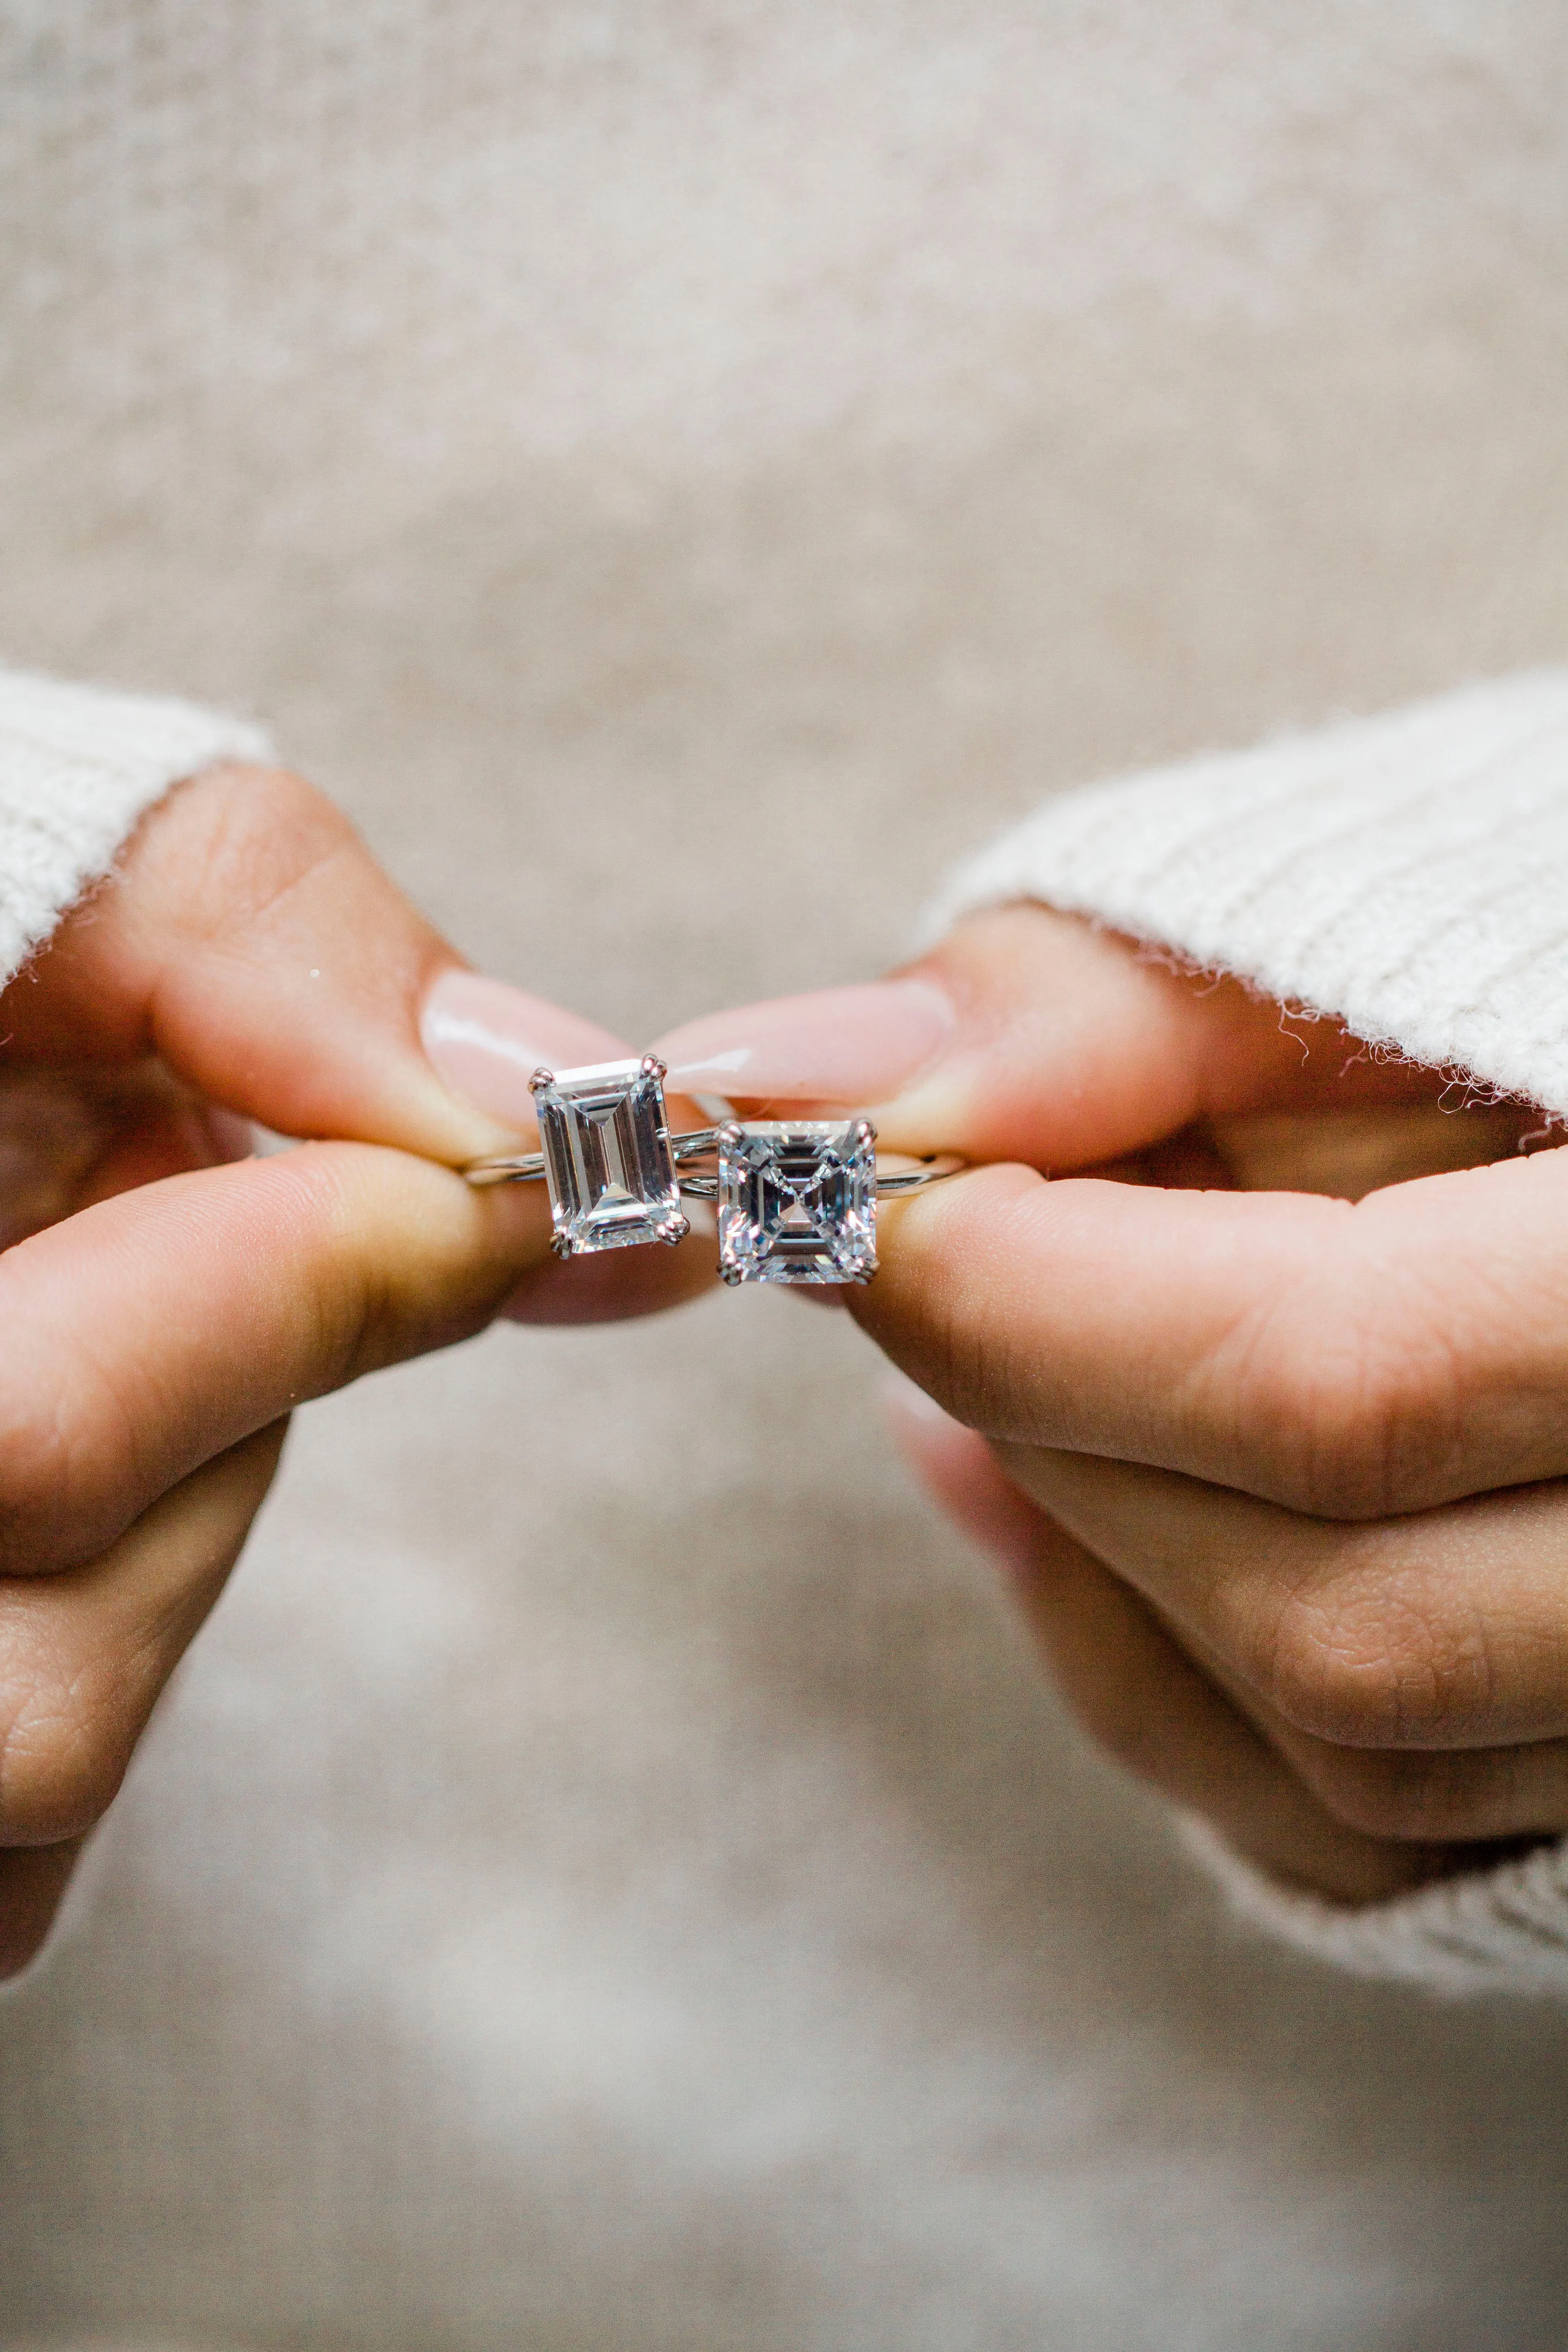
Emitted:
<point x="797" y="1202"/>
<point x="605" y="1140"/>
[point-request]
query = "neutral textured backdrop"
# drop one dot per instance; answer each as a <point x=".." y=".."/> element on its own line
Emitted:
<point x="609" y="1876"/>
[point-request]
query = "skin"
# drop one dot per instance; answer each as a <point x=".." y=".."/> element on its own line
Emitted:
<point x="167" y="1304"/>
<point x="1264" y="1398"/>
<point x="1279" y="1476"/>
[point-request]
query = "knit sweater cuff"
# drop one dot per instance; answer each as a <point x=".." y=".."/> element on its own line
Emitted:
<point x="1502" y="1930"/>
<point x="1405" y="874"/>
<point x="78" y="768"/>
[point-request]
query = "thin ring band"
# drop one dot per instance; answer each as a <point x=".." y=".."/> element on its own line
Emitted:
<point x="527" y="1168"/>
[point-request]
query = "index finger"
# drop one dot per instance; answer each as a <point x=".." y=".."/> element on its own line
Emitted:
<point x="249" y="938"/>
<point x="1029" y="1036"/>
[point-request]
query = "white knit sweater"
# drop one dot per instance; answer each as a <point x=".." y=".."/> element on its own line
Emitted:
<point x="1403" y="873"/>
<point x="78" y="768"/>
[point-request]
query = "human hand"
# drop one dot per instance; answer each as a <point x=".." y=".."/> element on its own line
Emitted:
<point x="167" y="1303"/>
<point x="1282" y="1476"/>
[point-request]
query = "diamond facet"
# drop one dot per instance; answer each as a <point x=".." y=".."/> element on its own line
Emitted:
<point x="797" y="1202"/>
<point x="605" y="1141"/>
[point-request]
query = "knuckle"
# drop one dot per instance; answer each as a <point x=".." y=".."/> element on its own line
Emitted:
<point x="1396" y="1794"/>
<point x="359" y="1307"/>
<point x="1379" y="1661"/>
<point x="1319" y="1681"/>
<point x="68" y="1449"/>
<point x="1358" y="1407"/>
<point x="975" y="1376"/>
<point x="250" y="836"/>
<point x="941" y="1327"/>
<point x="990" y="1372"/>
<point x="1435" y="1797"/>
<point x="63" y="1750"/>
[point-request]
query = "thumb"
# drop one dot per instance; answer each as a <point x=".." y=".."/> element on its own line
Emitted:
<point x="249" y="938"/>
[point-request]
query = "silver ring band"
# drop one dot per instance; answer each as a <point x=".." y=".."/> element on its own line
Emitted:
<point x="701" y="1143"/>
<point x="796" y="1198"/>
<point x="528" y="1167"/>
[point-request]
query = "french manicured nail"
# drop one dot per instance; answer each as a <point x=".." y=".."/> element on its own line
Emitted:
<point x="853" y="1046"/>
<point x="485" y="1040"/>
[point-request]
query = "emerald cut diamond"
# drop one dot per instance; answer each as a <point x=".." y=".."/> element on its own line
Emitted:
<point x="797" y="1202"/>
<point x="605" y="1143"/>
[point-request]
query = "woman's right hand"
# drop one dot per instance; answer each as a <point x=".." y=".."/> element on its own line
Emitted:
<point x="166" y="1303"/>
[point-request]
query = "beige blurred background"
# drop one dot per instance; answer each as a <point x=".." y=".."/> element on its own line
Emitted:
<point x="609" y="1876"/>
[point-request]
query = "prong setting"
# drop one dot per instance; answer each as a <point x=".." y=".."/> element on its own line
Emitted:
<point x="604" y="1139"/>
<point x="797" y="1201"/>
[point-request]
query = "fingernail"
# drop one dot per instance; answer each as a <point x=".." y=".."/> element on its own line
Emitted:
<point x="485" y="1041"/>
<point x="853" y="1046"/>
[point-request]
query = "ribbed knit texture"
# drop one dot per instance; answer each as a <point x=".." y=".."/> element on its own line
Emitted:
<point x="1405" y="873"/>
<point x="78" y="768"/>
<point x="1503" y="1930"/>
<point x="1409" y="874"/>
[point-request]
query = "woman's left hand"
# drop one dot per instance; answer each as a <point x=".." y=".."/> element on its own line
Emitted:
<point x="1283" y="1472"/>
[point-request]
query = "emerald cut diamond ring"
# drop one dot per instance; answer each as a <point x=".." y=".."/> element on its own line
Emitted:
<point x="796" y="1198"/>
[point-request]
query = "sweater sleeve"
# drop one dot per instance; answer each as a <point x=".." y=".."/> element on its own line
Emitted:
<point x="78" y="768"/>
<point x="1409" y="875"/>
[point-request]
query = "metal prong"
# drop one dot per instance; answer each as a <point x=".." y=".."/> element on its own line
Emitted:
<point x="652" y="1067"/>
<point x="561" y="1245"/>
<point x="731" y="1275"/>
<point x="541" y="1077"/>
<point x="676" y="1232"/>
<point x="865" y="1132"/>
<point x="731" y="1132"/>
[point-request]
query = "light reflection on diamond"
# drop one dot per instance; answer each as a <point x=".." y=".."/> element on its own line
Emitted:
<point x="605" y="1141"/>
<point x="797" y="1202"/>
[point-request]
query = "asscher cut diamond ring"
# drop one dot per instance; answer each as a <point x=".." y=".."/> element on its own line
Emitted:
<point x="796" y="1198"/>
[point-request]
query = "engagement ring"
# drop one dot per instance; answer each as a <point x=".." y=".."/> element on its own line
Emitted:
<point x="796" y="1198"/>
